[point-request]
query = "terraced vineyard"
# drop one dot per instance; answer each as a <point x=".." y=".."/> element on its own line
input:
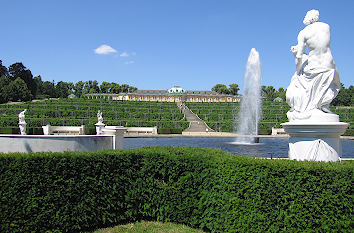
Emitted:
<point x="223" y="117"/>
<point x="65" y="112"/>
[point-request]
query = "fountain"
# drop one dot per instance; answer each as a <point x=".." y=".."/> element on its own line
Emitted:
<point x="250" y="110"/>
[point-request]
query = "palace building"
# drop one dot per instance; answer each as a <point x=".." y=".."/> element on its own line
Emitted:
<point x="174" y="94"/>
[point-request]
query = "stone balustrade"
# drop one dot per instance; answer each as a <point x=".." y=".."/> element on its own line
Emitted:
<point x="63" y="130"/>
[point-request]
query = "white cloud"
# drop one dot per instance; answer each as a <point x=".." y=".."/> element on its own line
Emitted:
<point x="105" y="49"/>
<point x="129" y="62"/>
<point x="124" y="54"/>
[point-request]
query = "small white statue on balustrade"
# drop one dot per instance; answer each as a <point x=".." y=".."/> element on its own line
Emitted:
<point x="99" y="117"/>
<point x="21" y="122"/>
<point x="99" y="125"/>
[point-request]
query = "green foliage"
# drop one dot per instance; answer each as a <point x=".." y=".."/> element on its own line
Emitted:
<point x="221" y="89"/>
<point x="39" y="89"/>
<point x="345" y="97"/>
<point x="269" y="93"/>
<point x="17" y="90"/>
<point x="169" y="131"/>
<point x="3" y="70"/>
<point x="18" y="70"/>
<point x="76" y="112"/>
<point x="203" y="188"/>
<point x="233" y="89"/>
<point x="63" y="89"/>
<point x="4" y="81"/>
<point x="223" y="117"/>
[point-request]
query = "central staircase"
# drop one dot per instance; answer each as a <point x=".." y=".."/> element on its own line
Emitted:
<point x="196" y="125"/>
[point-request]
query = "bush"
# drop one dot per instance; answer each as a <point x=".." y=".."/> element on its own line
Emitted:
<point x="204" y="188"/>
<point x="10" y="130"/>
<point x="169" y="131"/>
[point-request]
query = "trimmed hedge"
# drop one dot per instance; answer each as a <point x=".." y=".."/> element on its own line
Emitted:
<point x="169" y="131"/>
<point x="204" y="188"/>
<point x="66" y="112"/>
<point x="223" y="117"/>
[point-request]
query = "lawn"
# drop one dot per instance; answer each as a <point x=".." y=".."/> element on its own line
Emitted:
<point x="146" y="226"/>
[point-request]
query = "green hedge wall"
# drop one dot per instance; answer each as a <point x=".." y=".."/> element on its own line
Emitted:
<point x="204" y="188"/>
<point x="66" y="112"/>
<point x="223" y="117"/>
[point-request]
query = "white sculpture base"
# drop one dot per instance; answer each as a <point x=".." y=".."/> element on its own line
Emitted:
<point x="315" y="141"/>
<point x="22" y="126"/>
<point x="118" y="135"/>
<point x="99" y="127"/>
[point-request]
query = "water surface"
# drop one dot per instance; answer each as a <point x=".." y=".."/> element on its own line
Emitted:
<point x="277" y="146"/>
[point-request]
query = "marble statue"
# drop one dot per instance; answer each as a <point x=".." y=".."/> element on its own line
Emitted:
<point x="316" y="81"/>
<point x="313" y="129"/>
<point x="21" y="122"/>
<point x="99" y="117"/>
<point x="21" y="116"/>
<point x="99" y="125"/>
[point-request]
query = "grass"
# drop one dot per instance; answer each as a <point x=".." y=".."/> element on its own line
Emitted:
<point x="153" y="227"/>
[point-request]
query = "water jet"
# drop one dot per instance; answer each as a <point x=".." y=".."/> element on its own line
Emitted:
<point x="250" y="109"/>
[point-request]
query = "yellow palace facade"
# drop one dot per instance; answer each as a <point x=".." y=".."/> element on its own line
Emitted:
<point x="175" y="94"/>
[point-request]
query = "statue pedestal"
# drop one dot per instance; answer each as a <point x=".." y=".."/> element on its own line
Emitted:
<point x="118" y="132"/>
<point x="315" y="141"/>
<point x="22" y="126"/>
<point x="99" y="127"/>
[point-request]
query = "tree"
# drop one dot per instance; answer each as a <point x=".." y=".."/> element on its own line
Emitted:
<point x="269" y="92"/>
<point x="63" y="89"/>
<point x="124" y="88"/>
<point x="39" y="83"/>
<point x="233" y="89"/>
<point x="281" y="93"/>
<point x="115" y="88"/>
<point x="78" y="88"/>
<point x="221" y="89"/>
<point x="344" y="97"/>
<point x="3" y="70"/>
<point x="49" y="89"/>
<point x="4" y="82"/>
<point x="18" y="70"/>
<point x="91" y="86"/>
<point x="132" y="89"/>
<point x="17" y="91"/>
<point x="105" y="87"/>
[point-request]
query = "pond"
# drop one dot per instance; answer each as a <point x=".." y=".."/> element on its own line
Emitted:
<point x="277" y="146"/>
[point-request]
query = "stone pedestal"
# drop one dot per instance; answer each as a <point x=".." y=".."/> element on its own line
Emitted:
<point x="99" y="127"/>
<point x="118" y="135"/>
<point x="315" y="141"/>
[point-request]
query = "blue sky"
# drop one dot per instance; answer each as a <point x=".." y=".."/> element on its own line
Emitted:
<point x="160" y="43"/>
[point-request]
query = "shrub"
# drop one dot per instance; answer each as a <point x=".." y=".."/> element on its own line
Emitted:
<point x="204" y="188"/>
<point x="169" y="131"/>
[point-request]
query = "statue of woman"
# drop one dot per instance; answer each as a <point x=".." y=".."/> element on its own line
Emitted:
<point x="316" y="81"/>
<point x="21" y="116"/>
<point x="21" y="122"/>
<point x="99" y="117"/>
